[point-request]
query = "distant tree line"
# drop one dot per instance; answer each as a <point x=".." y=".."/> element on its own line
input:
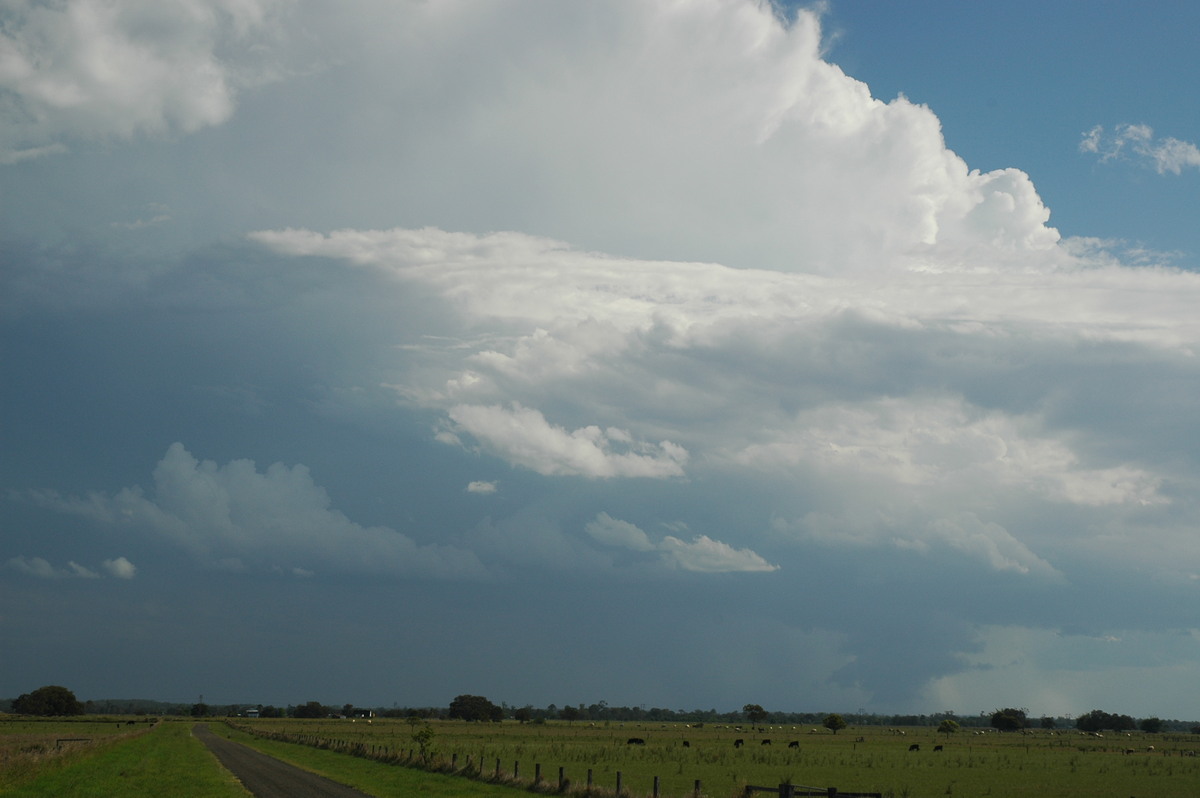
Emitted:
<point x="57" y="700"/>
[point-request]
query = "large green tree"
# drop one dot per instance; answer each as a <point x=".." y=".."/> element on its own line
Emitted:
<point x="474" y="707"/>
<point x="1009" y="719"/>
<point x="311" y="709"/>
<point x="754" y="713"/>
<point x="49" y="700"/>
<point x="834" y="722"/>
<point x="948" y="727"/>
<point x="1098" y="720"/>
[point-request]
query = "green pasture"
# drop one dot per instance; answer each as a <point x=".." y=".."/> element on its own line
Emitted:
<point x="126" y="760"/>
<point x="867" y="759"/>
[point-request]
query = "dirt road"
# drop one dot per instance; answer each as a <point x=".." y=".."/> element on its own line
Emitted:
<point x="268" y="777"/>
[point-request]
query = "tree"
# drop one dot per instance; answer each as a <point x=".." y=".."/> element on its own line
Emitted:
<point x="1098" y="720"/>
<point x="312" y="709"/>
<point x="474" y="707"/>
<point x="834" y="722"/>
<point x="424" y="740"/>
<point x="948" y="727"/>
<point x="49" y="700"/>
<point x="1048" y="723"/>
<point x="523" y="714"/>
<point x="1009" y="719"/>
<point x="754" y="713"/>
<point x="200" y="710"/>
<point x="1151" y="725"/>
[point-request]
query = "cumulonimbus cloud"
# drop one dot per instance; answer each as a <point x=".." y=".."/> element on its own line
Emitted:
<point x="88" y="69"/>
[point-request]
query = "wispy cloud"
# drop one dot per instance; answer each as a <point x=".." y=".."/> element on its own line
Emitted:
<point x="1139" y="142"/>
<point x="119" y="568"/>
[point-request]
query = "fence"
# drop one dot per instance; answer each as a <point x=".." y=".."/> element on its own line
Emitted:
<point x="472" y="769"/>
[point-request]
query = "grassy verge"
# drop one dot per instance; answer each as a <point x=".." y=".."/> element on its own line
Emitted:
<point x="164" y="761"/>
<point x="374" y="778"/>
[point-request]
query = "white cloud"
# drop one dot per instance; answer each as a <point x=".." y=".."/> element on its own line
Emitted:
<point x="482" y="487"/>
<point x="235" y="516"/>
<point x="749" y="149"/>
<point x="525" y="438"/>
<point x="84" y="69"/>
<point x="615" y="532"/>
<point x="712" y="556"/>
<point x="1164" y="154"/>
<point x="120" y="567"/>
<point x="702" y="554"/>
<point x="854" y="387"/>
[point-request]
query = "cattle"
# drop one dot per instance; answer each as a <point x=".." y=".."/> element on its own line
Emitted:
<point x="686" y="744"/>
<point x="937" y="748"/>
<point x="765" y="742"/>
<point x="915" y="747"/>
<point x="1128" y="751"/>
<point x="794" y="744"/>
<point x="635" y="741"/>
<point x="738" y="743"/>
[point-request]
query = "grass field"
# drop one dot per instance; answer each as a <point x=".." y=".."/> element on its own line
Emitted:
<point x="116" y="760"/>
<point x="165" y="759"/>
<point x="1063" y="765"/>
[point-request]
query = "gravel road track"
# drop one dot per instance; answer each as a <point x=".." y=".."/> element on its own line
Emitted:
<point x="268" y="777"/>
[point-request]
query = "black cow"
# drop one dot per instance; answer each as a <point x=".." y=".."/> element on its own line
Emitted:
<point x="635" y="741"/>
<point x="937" y="748"/>
<point x="686" y="744"/>
<point x="765" y="742"/>
<point x="915" y="747"/>
<point x="794" y="744"/>
<point x="738" y="743"/>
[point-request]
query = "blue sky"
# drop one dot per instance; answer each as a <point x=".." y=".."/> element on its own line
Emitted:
<point x="678" y="354"/>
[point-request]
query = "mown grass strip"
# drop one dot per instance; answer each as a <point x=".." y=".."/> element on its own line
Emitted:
<point x="373" y="778"/>
<point x="165" y="761"/>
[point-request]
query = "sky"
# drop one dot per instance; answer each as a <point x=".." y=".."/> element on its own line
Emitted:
<point x="686" y="353"/>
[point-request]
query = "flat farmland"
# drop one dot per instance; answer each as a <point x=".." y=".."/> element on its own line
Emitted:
<point x="864" y="759"/>
<point x="28" y="745"/>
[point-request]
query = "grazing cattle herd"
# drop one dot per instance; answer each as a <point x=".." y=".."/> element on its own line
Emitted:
<point x="741" y="741"/>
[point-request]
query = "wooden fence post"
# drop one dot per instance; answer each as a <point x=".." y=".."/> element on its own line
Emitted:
<point x="562" y="778"/>
<point x="656" y="787"/>
<point x="618" y="784"/>
<point x="696" y="789"/>
<point x="589" y="779"/>
<point x="537" y="773"/>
